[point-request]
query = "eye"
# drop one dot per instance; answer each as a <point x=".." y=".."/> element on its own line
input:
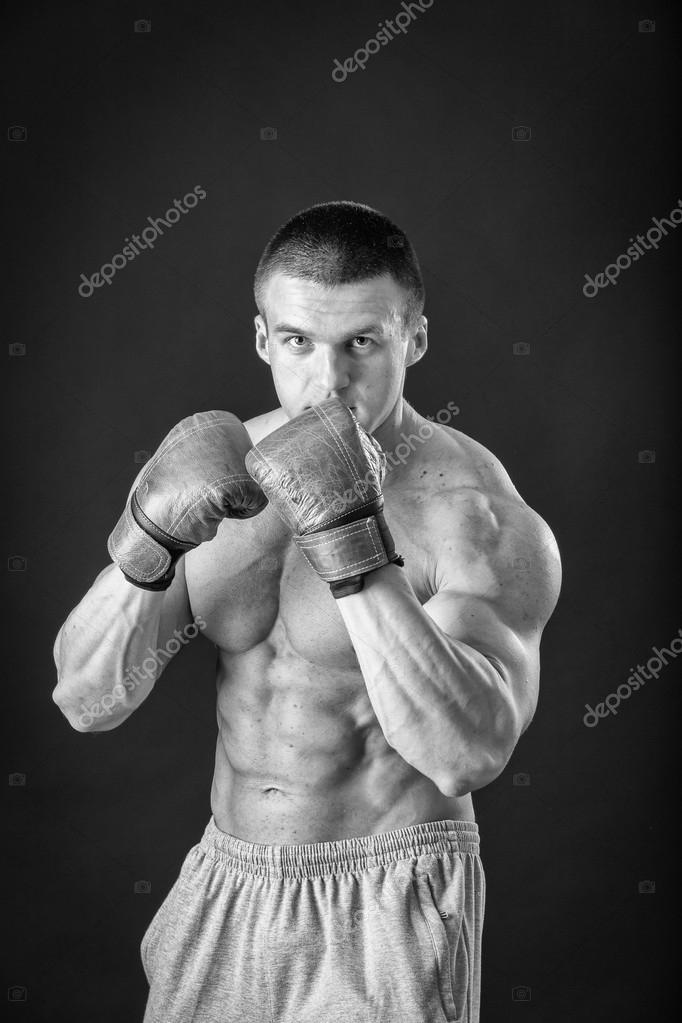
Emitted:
<point x="296" y="337"/>
<point x="368" y="341"/>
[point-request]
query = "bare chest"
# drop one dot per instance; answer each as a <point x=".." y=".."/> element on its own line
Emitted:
<point x="254" y="588"/>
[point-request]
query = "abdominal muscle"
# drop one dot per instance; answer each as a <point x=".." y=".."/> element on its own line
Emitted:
<point x="300" y="755"/>
<point x="301" y="758"/>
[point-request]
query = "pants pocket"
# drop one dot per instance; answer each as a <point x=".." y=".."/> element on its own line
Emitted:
<point x="150" y="939"/>
<point x="158" y="927"/>
<point x="452" y="949"/>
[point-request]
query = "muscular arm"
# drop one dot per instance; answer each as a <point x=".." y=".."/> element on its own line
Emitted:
<point x="454" y="683"/>
<point x="113" y="647"/>
<point x="116" y="643"/>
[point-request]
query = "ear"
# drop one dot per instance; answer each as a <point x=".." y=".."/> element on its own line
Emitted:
<point x="419" y="342"/>
<point x="262" y="339"/>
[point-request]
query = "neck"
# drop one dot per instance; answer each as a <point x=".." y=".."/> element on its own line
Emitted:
<point x="398" y="420"/>
<point x="399" y="437"/>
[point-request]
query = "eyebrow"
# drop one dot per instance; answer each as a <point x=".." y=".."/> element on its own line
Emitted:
<point x="285" y="328"/>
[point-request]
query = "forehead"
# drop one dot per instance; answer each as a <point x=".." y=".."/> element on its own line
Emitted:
<point x="296" y="300"/>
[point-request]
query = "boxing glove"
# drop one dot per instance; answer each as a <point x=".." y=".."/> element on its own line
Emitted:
<point x="323" y="474"/>
<point x="196" y="478"/>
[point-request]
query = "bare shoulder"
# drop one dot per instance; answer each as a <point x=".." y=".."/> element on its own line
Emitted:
<point x="488" y="537"/>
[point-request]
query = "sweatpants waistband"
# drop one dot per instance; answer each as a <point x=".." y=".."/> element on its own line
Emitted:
<point x="318" y="859"/>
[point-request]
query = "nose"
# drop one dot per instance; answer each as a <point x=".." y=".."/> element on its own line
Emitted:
<point x="331" y="376"/>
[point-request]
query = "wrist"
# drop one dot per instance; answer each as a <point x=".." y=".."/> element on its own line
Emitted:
<point x="370" y="580"/>
<point x="159" y="585"/>
<point x="358" y="583"/>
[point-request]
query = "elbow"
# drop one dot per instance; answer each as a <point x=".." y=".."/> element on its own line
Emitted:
<point x="453" y="788"/>
<point x="81" y="722"/>
<point x="463" y="779"/>
<point x="82" y="718"/>
<point x="454" y="781"/>
<point x="457" y="786"/>
<point x="77" y="724"/>
<point x="483" y="762"/>
<point x="75" y="720"/>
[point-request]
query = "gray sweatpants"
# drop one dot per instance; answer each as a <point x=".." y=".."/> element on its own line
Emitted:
<point x="380" y="929"/>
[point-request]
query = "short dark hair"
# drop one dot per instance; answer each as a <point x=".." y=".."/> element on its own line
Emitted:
<point x="341" y="243"/>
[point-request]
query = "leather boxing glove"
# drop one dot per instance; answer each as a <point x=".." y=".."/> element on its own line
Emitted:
<point x="195" y="479"/>
<point x="323" y="473"/>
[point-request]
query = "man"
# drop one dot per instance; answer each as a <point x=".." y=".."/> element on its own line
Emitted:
<point x="378" y="620"/>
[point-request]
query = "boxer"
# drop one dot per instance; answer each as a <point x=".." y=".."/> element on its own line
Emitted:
<point x="377" y="621"/>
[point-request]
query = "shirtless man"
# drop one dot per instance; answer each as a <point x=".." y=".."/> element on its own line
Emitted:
<point x="378" y="621"/>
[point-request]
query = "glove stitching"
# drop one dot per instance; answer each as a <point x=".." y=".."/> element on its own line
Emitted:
<point x="344" y="451"/>
<point x="142" y="541"/>
<point x="205" y="491"/>
<point x="340" y="533"/>
<point x="171" y="442"/>
<point x="333" y="575"/>
<point x="263" y="464"/>
<point x="358" y="507"/>
<point x="337" y="574"/>
<point x="341" y="444"/>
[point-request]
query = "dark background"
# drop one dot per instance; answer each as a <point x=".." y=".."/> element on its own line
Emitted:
<point x="119" y="124"/>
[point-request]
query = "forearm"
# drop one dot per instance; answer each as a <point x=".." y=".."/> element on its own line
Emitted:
<point x="441" y="704"/>
<point x="102" y="645"/>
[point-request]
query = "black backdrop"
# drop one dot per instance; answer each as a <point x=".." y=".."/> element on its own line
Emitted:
<point x="109" y="126"/>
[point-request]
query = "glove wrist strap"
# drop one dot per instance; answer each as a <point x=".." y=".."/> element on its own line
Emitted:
<point x="160" y="584"/>
<point x="342" y="556"/>
<point x="145" y="554"/>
